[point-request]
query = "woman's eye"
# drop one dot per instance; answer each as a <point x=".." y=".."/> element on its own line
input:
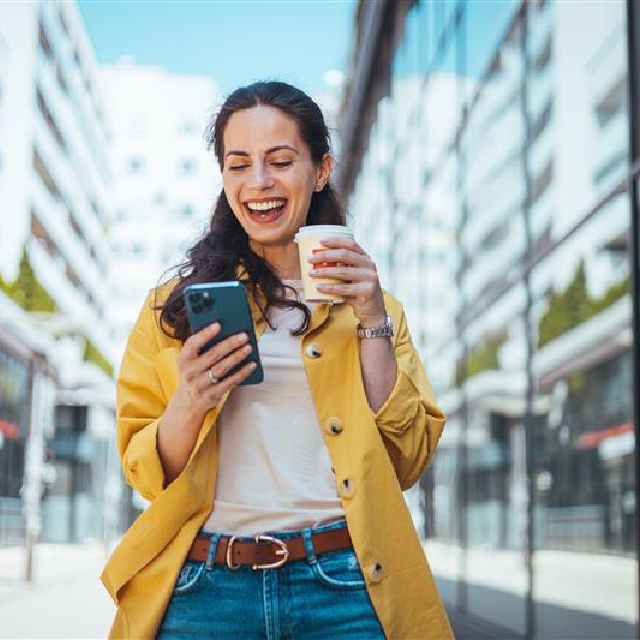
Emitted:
<point x="282" y="164"/>
<point x="244" y="166"/>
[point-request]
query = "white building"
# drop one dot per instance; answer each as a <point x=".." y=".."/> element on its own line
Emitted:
<point x="54" y="201"/>
<point x="166" y="181"/>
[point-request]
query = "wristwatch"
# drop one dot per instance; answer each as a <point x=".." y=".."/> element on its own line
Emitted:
<point x="386" y="330"/>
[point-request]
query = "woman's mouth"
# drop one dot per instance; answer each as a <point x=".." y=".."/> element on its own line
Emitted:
<point x="266" y="215"/>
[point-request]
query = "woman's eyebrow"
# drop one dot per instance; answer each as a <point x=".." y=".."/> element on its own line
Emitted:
<point x="270" y="150"/>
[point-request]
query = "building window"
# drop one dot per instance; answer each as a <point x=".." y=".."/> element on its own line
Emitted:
<point x="46" y="178"/>
<point x="186" y="210"/>
<point x="136" y="165"/>
<point x="186" y="166"/>
<point x="188" y="128"/>
<point x="63" y="23"/>
<point x="137" y="249"/>
<point x="44" y="42"/>
<point x="51" y="123"/>
<point x="61" y="81"/>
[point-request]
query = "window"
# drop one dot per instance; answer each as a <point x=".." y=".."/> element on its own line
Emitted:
<point x="44" y="42"/>
<point x="51" y="123"/>
<point x="187" y="166"/>
<point x="61" y="81"/>
<point x="136" y="165"/>
<point x="188" y="128"/>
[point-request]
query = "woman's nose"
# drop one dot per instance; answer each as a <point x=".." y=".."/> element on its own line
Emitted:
<point x="260" y="177"/>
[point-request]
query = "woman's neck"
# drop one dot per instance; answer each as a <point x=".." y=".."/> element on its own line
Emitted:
<point x="283" y="259"/>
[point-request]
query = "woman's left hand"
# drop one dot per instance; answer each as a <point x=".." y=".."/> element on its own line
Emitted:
<point x="360" y="286"/>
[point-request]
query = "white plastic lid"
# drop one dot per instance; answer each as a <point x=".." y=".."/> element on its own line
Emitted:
<point x="324" y="230"/>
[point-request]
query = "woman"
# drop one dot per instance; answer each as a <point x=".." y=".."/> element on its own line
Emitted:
<point x="314" y="459"/>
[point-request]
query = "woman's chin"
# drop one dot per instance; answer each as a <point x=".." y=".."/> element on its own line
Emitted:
<point x="270" y="237"/>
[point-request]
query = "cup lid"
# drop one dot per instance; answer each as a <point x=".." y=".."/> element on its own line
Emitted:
<point x="323" y="229"/>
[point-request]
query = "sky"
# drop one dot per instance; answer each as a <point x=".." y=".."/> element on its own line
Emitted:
<point x="233" y="41"/>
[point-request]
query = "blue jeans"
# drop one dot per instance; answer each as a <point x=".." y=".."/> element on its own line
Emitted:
<point x="313" y="598"/>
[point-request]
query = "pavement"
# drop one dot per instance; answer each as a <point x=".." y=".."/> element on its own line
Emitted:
<point x="65" y="599"/>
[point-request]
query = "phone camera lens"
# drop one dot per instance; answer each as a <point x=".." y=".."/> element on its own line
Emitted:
<point x="197" y="308"/>
<point x="194" y="297"/>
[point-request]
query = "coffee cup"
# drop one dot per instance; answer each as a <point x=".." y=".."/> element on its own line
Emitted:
<point x="308" y="241"/>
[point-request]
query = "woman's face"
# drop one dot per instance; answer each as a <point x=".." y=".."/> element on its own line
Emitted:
<point x="268" y="175"/>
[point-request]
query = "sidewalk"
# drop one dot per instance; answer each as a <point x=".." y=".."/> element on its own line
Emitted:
<point x="465" y="628"/>
<point x="66" y="598"/>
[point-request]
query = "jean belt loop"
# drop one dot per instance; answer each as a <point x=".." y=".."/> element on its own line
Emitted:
<point x="308" y="546"/>
<point x="211" y="556"/>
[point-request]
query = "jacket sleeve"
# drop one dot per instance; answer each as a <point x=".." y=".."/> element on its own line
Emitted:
<point x="409" y="421"/>
<point x="140" y="403"/>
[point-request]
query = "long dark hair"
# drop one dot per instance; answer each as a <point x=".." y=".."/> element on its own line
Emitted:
<point x="224" y="247"/>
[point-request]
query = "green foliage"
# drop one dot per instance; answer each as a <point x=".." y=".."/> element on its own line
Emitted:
<point x="576" y="382"/>
<point x="26" y="291"/>
<point x="572" y="306"/>
<point x="483" y="357"/>
<point x="5" y="287"/>
<point x="93" y="354"/>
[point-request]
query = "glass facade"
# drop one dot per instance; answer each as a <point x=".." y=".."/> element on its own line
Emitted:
<point x="493" y="198"/>
<point x="14" y="409"/>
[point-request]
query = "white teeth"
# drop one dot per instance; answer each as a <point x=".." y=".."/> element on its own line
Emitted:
<point x="265" y="206"/>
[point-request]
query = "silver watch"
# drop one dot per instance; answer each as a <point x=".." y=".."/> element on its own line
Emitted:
<point x="386" y="330"/>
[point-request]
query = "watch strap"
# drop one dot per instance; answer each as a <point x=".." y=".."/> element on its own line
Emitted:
<point x="383" y="331"/>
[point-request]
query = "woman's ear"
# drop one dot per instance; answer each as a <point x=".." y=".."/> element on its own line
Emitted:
<point x="324" y="171"/>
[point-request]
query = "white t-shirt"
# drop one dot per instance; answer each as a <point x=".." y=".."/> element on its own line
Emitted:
<point x="274" y="470"/>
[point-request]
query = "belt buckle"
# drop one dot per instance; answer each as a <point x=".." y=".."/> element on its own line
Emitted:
<point x="282" y="551"/>
<point x="229" y="560"/>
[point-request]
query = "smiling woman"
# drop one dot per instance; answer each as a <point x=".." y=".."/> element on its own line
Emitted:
<point x="316" y="455"/>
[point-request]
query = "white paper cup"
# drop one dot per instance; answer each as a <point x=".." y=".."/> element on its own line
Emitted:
<point x="308" y="241"/>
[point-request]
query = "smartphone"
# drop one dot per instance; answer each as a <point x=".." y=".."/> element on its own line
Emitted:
<point x="226" y="303"/>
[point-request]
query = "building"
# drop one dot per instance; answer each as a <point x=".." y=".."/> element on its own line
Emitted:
<point x="55" y="181"/>
<point x="486" y="164"/>
<point x="166" y="181"/>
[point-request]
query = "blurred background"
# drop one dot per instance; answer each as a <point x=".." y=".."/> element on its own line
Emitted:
<point x="488" y="154"/>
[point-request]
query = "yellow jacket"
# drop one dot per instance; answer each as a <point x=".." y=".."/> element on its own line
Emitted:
<point x="381" y="453"/>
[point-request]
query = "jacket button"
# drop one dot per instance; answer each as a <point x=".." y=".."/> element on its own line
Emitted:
<point x="347" y="487"/>
<point x="333" y="426"/>
<point x="375" y="571"/>
<point x="313" y="351"/>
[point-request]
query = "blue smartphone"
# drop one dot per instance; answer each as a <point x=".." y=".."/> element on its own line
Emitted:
<point x="226" y="303"/>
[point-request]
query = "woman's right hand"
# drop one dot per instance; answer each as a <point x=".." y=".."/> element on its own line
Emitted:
<point x="196" y="389"/>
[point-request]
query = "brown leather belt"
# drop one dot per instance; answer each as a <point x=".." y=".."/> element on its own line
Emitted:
<point x="267" y="552"/>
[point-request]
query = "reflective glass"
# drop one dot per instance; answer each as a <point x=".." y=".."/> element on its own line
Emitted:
<point x="503" y="131"/>
<point x="584" y="475"/>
